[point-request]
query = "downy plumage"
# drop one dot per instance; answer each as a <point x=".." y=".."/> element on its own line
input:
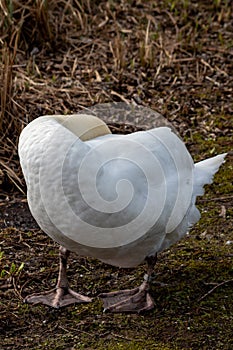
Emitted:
<point x="118" y="198"/>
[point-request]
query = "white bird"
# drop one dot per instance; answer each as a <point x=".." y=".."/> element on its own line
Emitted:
<point x="118" y="198"/>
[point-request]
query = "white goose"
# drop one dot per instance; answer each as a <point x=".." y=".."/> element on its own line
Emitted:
<point x="118" y="198"/>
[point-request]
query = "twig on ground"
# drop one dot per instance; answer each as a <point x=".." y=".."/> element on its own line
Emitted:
<point x="213" y="289"/>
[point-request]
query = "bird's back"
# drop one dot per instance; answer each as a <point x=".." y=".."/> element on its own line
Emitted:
<point x="117" y="198"/>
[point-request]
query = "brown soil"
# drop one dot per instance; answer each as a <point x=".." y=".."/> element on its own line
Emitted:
<point x="172" y="56"/>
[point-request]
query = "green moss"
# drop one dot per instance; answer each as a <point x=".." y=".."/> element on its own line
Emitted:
<point x="108" y="345"/>
<point x="189" y="313"/>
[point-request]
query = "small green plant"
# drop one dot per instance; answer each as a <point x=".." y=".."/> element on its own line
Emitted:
<point x="12" y="270"/>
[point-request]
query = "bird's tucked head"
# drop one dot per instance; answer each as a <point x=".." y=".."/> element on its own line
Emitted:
<point x="85" y="126"/>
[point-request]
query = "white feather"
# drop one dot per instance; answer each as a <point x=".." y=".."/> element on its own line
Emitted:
<point x="118" y="198"/>
<point x="204" y="172"/>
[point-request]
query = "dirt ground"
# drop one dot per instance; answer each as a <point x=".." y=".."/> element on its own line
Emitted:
<point x="174" y="57"/>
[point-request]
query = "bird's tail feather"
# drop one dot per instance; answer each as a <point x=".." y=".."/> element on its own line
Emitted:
<point x="204" y="172"/>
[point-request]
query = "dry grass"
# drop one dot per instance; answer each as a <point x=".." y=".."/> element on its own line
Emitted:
<point x="58" y="56"/>
<point x="173" y="56"/>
